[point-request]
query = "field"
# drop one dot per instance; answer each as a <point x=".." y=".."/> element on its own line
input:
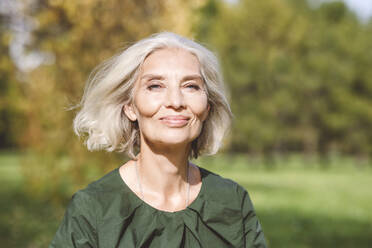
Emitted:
<point x="304" y="204"/>
<point x="301" y="203"/>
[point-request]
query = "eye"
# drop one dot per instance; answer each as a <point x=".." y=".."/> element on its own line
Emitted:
<point x="153" y="86"/>
<point x="193" y="86"/>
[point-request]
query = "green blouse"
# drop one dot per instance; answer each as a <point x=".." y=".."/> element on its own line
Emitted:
<point x="108" y="214"/>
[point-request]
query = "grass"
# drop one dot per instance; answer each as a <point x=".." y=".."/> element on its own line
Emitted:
<point x="9" y="168"/>
<point x="300" y="203"/>
<point x="24" y="221"/>
<point x="307" y="206"/>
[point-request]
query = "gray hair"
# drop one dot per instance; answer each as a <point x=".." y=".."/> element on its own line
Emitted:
<point x="110" y="87"/>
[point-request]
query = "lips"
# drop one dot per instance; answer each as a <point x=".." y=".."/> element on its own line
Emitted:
<point x="175" y="117"/>
<point x="175" y="120"/>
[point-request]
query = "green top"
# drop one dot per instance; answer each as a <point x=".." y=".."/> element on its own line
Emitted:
<point x="108" y="214"/>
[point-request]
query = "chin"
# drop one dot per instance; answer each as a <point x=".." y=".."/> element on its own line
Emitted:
<point x="174" y="139"/>
<point x="171" y="137"/>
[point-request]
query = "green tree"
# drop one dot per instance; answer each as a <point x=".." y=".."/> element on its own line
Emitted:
<point x="11" y="116"/>
<point x="299" y="76"/>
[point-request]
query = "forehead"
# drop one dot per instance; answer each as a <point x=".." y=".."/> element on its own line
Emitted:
<point x="171" y="60"/>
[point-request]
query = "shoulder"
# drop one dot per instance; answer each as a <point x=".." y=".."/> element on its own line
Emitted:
<point x="109" y="182"/>
<point x="218" y="181"/>
<point x="94" y="196"/>
<point x="108" y="195"/>
<point x="221" y="189"/>
<point x="79" y="224"/>
<point x="87" y="199"/>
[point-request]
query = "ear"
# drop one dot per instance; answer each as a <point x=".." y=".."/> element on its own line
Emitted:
<point x="129" y="112"/>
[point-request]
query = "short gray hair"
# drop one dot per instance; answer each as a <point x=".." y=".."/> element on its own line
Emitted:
<point x="110" y="87"/>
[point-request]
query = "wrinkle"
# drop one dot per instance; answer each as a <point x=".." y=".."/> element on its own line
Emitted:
<point x="194" y="234"/>
<point x="217" y="220"/>
<point x="183" y="240"/>
<point x="127" y="221"/>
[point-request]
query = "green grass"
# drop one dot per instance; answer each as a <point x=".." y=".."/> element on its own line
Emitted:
<point x="24" y="221"/>
<point x="300" y="203"/>
<point x="9" y="168"/>
<point x="307" y="205"/>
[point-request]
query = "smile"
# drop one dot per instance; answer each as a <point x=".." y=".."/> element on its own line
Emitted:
<point x="175" y="121"/>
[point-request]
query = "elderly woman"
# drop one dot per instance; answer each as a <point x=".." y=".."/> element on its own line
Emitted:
<point x="162" y="102"/>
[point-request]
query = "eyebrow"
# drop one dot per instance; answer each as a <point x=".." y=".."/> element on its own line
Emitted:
<point x="192" y="77"/>
<point x="185" y="78"/>
<point x="153" y="76"/>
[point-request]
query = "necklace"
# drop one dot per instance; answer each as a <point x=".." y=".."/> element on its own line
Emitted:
<point x="187" y="179"/>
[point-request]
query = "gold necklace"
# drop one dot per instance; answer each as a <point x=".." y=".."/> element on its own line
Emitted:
<point x="187" y="179"/>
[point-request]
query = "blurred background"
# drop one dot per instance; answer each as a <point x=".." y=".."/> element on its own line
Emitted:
<point x="300" y="85"/>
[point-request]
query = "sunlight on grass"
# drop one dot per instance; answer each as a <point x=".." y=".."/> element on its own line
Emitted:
<point x="9" y="168"/>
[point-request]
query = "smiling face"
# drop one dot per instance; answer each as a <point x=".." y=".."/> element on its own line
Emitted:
<point x="170" y="100"/>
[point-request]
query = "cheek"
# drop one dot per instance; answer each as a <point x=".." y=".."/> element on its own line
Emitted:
<point x="199" y="106"/>
<point x="147" y="107"/>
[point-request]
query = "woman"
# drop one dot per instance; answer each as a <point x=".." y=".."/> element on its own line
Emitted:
<point x="162" y="97"/>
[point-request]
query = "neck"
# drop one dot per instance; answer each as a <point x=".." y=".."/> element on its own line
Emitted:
<point x="163" y="169"/>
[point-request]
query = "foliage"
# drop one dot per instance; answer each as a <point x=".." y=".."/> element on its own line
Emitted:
<point x="300" y="78"/>
<point x="11" y="104"/>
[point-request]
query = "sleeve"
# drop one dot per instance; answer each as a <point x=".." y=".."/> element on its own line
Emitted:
<point x="78" y="227"/>
<point x="253" y="234"/>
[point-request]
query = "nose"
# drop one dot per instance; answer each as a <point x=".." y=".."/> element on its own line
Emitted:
<point x="175" y="98"/>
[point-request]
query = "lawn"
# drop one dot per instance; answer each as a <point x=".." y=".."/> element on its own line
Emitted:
<point x="307" y="203"/>
<point x="300" y="203"/>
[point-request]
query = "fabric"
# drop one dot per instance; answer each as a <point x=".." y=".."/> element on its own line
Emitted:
<point x="108" y="214"/>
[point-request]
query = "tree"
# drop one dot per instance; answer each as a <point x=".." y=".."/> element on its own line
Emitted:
<point x="299" y="77"/>
<point x="10" y="92"/>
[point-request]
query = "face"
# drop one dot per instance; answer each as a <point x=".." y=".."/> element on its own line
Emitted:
<point x="170" y="100"/>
